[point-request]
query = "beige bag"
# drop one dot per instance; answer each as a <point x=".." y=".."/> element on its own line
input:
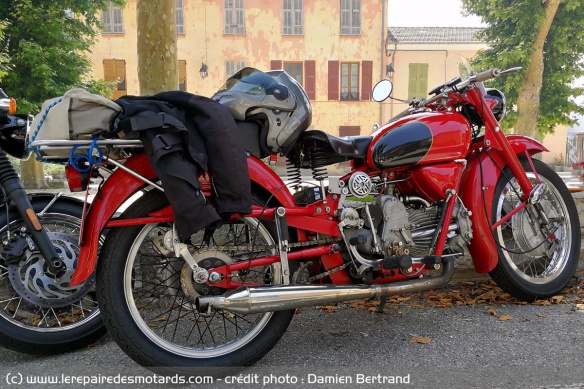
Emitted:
<point x="78" y="114"/>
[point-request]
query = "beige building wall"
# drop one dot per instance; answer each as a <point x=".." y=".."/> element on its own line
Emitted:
<point x="204" y="41"/>
<point x="440" y="69"/>
<point x="556" y="144"/>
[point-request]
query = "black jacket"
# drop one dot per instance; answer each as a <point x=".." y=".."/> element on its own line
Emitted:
<point x="181" y="133"/>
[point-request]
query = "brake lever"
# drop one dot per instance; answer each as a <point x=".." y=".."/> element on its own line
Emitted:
<point x="511" y="70"/>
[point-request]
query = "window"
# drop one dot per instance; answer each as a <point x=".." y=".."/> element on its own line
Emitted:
<point x="182" y="75"/>
<point x="180" y="17"/>
<point x="349" y="130"/>
<point x="234" y="17"/>
<point x="232" y="67"/>
<point x="350" y="17"/>
<point x="114" y="70"/>
<point x="293" y="17"/>
<point x="418" y="81"/>
<point x="111" y="18"/>
<point x="294" y="69"/>
<point x="349" y="81"/>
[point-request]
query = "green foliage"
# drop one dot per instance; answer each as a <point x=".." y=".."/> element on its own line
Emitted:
<point x="512" y="25"/>
<point x="48" y="47"/>
<point x="4" y="66"/>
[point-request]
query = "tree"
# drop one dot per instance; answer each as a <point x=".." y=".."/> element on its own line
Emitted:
<point x="47" y="45"/>
<point x="541" y="36"/>
<point x="4" y="66"/>
<point x="157" y="48"/>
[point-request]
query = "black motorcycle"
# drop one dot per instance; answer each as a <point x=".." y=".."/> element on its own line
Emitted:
<point x="39" y="244"/>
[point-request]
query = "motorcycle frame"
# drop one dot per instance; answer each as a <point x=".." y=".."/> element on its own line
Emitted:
<point x="480" y="169"/>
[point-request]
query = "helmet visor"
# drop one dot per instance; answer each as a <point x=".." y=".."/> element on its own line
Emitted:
<point x="249" y="81"/>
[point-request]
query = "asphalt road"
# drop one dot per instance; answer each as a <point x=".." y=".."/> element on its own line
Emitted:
<point x="541" y="347"/>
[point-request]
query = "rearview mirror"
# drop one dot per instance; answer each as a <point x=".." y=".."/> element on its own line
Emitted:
<point x="382" y="90"/>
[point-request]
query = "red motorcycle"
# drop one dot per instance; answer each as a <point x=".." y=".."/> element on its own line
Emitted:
<point x="422" y="190"/>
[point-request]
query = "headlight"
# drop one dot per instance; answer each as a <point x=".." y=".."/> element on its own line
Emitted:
<point x="500" y="108"/>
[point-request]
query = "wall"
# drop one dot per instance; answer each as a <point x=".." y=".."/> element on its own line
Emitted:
<point x="204" y="41"/>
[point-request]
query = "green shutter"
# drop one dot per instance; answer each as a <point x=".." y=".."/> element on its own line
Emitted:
<point x="418" y="81"/>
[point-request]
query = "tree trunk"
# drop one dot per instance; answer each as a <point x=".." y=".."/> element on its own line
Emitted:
<point x="157" y="49"/>
<point x="32" y="174"/>
<point x="528" y="99"/>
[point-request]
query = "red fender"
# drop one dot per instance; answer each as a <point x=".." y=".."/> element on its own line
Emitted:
<point x="121" y="185"/>
<point x="474" y="191"/>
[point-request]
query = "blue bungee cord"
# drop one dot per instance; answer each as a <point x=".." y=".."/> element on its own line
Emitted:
<point x="75" y="159"/>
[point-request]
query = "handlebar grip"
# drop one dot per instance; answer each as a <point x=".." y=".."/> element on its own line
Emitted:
<point x="487" y="75"/>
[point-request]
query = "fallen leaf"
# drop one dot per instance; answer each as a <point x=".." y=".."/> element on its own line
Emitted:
<point x="505" y="318"/>
<point x="328" y="308"/>
<point x="580" y="307"/>
<point x="542" y="315"/>
<point x="558" y="300"/>
<point x="492" y="311"/>
<point x="543" y="303"/>
<point x="421" y="339"/>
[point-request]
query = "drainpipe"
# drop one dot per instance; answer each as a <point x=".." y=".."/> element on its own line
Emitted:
<point x="383" y="38"/>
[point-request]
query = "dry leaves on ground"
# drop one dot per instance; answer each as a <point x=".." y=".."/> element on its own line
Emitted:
<point x="463" y="294"/>
<point x="421" y="339"/>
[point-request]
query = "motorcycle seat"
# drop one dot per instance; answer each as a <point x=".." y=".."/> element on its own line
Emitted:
<point x="348" y="147"/>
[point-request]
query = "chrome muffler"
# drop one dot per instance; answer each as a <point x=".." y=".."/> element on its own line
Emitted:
<point x="284" y="297"/>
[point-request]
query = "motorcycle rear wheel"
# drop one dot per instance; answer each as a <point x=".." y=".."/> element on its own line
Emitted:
<point x="147" y="297"/>
<point x="67" y="323"/>
<point x="535" y="263"/>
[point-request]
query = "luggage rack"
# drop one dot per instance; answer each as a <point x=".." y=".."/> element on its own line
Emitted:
<point x="43" y="148"/>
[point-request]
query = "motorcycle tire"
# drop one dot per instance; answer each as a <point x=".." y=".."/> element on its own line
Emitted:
<point x="147" y="297"/>
<point x="72" y="319"/>
<point x="535" y="263"/>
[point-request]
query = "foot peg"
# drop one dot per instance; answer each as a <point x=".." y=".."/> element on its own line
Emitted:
<point x="397" y="262"/>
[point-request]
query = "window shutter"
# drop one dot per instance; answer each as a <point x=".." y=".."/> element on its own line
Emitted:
<point x="366" y="79"/>
<point x="418" y="80"/>
<point x="276" y="64"/>
<point x="182" y="75"/>
<point x="310" y="79"/>
<point x="333" y="80"/>
<point x="349" y="130"/>
<point x="108" y="70"/>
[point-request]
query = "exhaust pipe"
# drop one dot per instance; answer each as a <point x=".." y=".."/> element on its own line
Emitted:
<point x="283" y="297"/>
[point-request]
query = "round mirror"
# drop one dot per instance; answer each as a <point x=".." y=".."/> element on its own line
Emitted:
<point x="382" y="90"/>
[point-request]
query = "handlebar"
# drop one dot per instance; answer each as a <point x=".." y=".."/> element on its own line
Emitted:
<point x="479" y="77"/>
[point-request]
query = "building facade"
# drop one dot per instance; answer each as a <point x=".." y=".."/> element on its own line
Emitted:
<point x="334" y="48"/>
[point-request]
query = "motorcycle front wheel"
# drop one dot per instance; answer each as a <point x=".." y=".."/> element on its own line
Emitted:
<point x="148" y="296"/>
<point x="39" y="314"/>
<point x="539" y="246"/>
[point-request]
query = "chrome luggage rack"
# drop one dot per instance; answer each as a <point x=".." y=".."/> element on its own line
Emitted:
<point x="40" y="148"/>
<point x="43" y="148"/>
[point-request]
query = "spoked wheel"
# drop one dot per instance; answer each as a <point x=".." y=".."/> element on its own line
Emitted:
<point x="148" y="296"/>
<point x="40" y="313"/>
<point x="537" y="257"/>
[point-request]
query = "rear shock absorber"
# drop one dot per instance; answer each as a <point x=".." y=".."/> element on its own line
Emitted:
<point x="318" y="166"/>
<point x="14" y="190"/>
<point x="293" y="173"/>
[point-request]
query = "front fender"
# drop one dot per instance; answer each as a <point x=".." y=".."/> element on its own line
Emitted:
<point x="121" y="185"/>
<point x="479" y="180"/>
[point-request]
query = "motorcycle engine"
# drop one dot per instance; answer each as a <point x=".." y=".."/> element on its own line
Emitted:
<point x="402" y="225"/>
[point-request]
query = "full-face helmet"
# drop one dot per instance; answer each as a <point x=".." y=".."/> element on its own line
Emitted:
<point x="273" y="98"/>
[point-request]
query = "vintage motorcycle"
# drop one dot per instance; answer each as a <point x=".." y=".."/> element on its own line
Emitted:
<point x="39" y="312"/>
<point x="423" y="189"/>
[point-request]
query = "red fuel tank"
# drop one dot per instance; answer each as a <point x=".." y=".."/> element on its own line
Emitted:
<point x="420" y="139"/>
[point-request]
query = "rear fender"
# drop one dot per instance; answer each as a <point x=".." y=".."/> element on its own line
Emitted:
<point x="477" y="193"/>
<point x="120" y="186"/>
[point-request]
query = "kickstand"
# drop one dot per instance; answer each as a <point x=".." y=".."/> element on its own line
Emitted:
<point x="382" y="301"/>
